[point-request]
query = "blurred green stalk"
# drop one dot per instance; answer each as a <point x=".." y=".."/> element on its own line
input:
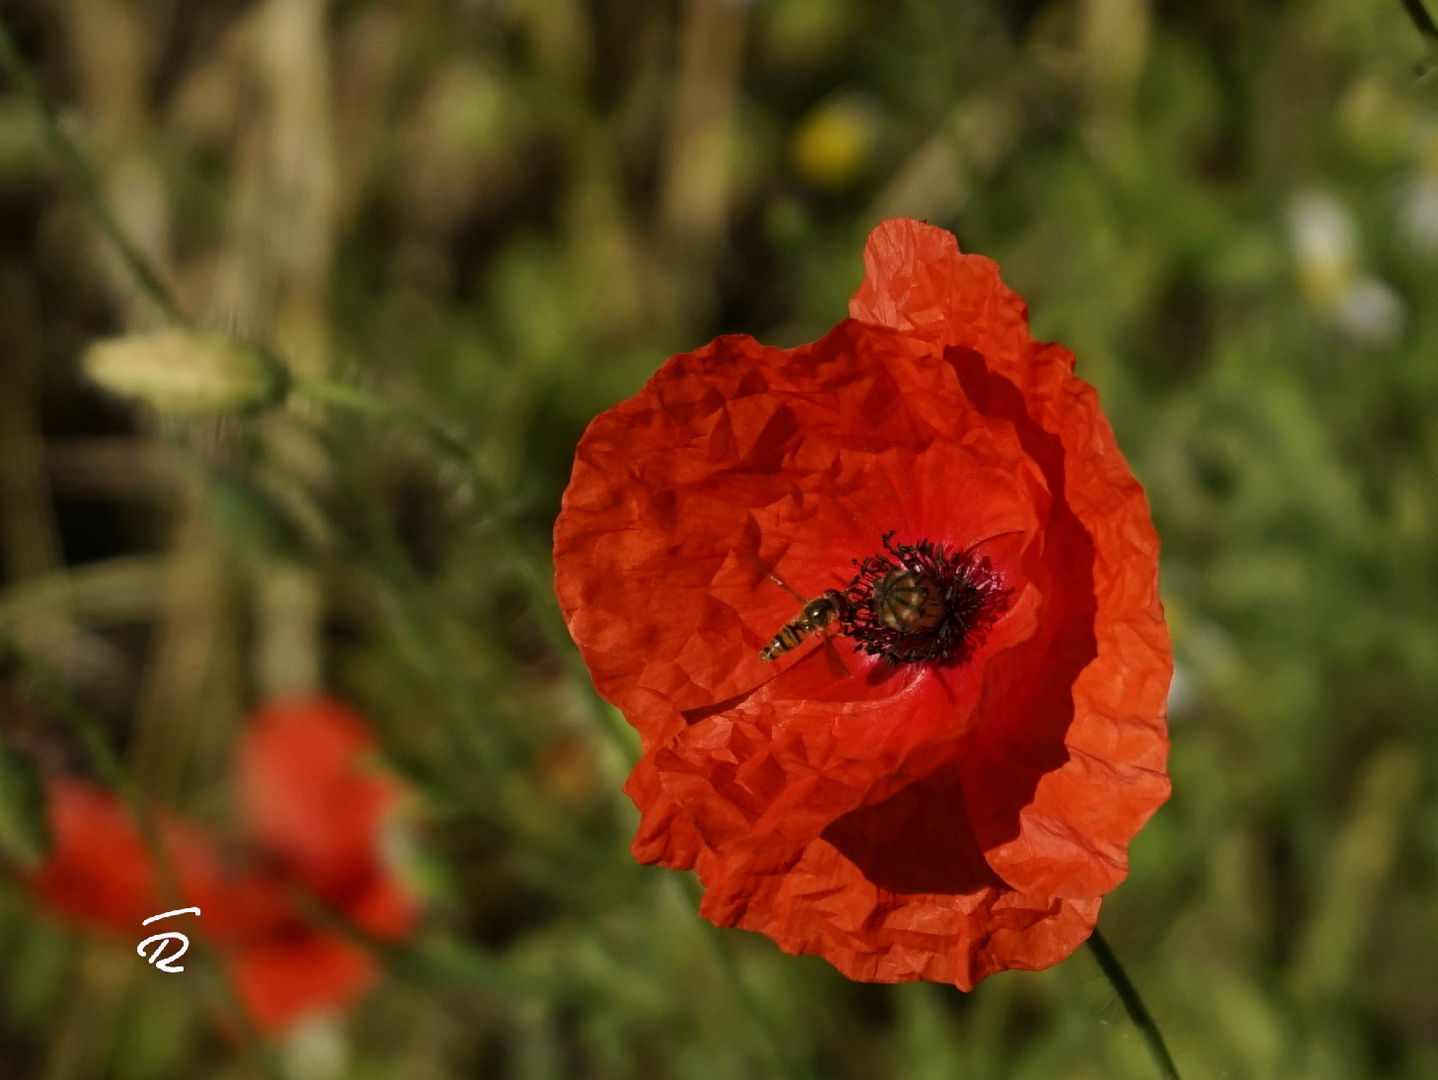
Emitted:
<point x="1423" y="21"/>
<point x="447" y="448"/>
<point x="78" y="170"/>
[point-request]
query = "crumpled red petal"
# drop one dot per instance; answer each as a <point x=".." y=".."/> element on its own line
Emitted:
<point x="914" y="822"/>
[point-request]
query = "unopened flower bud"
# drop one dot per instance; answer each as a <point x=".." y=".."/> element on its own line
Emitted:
<point x="187" y="373"/>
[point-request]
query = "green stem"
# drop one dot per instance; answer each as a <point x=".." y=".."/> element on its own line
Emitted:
<point x="429" y="963"/>
<point x="450" y="449"/>
<point x="1137" y="1011"/>
<point x="771" y="1045"/>
<point x="74" y="165"/>
<point x="1423" y="21"/>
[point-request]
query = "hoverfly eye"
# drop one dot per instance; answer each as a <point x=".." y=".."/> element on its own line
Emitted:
<point x="820" y="611"/>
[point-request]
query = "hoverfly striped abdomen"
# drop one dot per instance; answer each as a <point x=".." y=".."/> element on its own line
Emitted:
<point x="817" y="615"/>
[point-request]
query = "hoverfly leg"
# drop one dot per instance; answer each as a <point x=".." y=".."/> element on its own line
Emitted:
<point x="777" y="580"/>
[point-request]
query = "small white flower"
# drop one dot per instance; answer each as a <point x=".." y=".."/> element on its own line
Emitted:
<point x="1418" y="214"/>
<point x="1325" y="246"/>
<point x="1364" y="308"/>
<point x="1371" y="313"/>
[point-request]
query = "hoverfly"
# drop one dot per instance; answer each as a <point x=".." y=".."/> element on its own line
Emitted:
<point x="817" y="614"/>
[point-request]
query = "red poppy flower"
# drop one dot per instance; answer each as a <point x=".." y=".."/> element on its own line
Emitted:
<point x="314" y="809"/>
<point x="938" y="773"/>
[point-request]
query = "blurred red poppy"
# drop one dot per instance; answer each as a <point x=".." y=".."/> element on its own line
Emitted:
<point x="314" y="811"/>
<point x="316" y="804"/>
<point x="939" y="774"/>
<point x="99" y="872"/>
<point x="316" y="807"/>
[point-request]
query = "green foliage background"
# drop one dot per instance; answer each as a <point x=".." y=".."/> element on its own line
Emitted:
<point x="503" y="214"/>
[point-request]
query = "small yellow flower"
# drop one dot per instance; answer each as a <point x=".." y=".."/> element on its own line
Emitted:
<point x="835" y="144"/>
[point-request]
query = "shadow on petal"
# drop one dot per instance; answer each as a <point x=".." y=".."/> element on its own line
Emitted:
<point x="917" y="841"/>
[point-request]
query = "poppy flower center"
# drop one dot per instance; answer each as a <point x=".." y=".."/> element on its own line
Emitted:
<point x="912" y="603"/>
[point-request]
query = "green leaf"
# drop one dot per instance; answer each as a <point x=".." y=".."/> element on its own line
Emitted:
<point x="24" y="831"/>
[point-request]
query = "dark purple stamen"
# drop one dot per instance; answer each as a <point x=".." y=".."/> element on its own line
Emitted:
<point x="972" y="596"/>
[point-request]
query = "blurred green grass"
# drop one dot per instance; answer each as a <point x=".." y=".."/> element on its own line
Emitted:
<point x="505" y="214"/>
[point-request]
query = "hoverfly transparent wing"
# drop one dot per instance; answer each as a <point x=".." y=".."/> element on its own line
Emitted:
<point x="749" y="553"/>
<point x="837" y="667"/>
<point x="763" y="570"/>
